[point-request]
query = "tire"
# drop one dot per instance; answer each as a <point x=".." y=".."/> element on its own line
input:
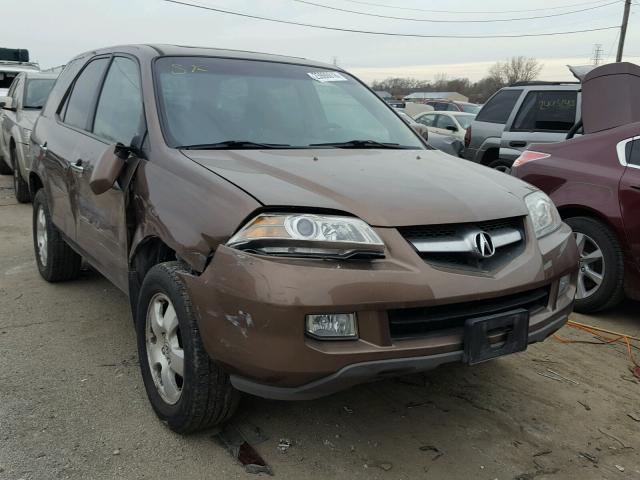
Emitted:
<point x="503" y="166"/>
<point x="5" y="169"/>
<point x="20" y="186"/>
<point x="600" y="255"/>
<point x="56" y="260"/>
<point x="202" y="395"/>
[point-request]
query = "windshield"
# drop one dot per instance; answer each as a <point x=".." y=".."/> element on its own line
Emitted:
<point x="465" y="120"/>
<point x="37" y="91"/>
<point x="209" y="101"/>
<point x="470" y="108"/>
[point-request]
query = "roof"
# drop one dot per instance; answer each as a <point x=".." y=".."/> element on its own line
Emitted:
<point x="433" y="95"/>
<point x="42" y="75"/>
<point x="182" y="50"/>
<point x="18" y="67"/>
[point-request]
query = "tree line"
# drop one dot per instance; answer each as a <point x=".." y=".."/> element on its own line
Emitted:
<point x="501" y="74"/>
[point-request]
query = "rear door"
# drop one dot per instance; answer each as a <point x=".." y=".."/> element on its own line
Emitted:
<point x="543" y="116"/>
<point x="100" y="219"/>
<point x="630" y="195"/>
<point x="58" y="141"/>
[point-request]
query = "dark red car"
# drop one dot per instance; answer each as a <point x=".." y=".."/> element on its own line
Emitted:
<point x="594" y="180"/>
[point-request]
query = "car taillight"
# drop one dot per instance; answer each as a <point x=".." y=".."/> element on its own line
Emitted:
<point x="529" y="156"/>
<point x="467" y="137"/>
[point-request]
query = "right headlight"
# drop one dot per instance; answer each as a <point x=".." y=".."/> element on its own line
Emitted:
<point x="308" y="235"/>
<point x="543" y="213"/>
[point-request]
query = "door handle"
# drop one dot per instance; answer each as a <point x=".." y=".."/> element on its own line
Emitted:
<point x="43" y="148"/>
<point x="77" y="167"/>
<point x="516" y="143"/>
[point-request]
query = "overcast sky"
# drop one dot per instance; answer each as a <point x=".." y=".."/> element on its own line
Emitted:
<point x="55" y="34"/>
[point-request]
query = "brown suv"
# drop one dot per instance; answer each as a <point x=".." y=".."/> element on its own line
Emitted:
<point x="279" y="230"/>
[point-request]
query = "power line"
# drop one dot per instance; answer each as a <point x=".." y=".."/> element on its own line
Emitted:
<point x="390" y="34"/>
<point x="470" y="11"/>
<point x="329" y="7"/>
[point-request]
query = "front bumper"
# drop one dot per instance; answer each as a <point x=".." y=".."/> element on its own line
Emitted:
<point x="251" y="311"/>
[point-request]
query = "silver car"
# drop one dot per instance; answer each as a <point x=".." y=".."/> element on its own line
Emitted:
<point x="20" y="109"/>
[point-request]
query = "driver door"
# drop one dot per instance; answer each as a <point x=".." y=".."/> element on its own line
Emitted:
<point x="630" y="197"/>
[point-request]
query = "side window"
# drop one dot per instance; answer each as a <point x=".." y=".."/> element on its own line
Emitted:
<point x="499" y="107"/>
<point x="426" y="120"/>
<point x="633" y="153"/>
<point x="452" y="107"/>
<point x="119" y="111"/>
<point x="78" y="107"/>
<point x="445" y="121"/>
<point x="440" y="106"/>
<point x="547" y="110"/>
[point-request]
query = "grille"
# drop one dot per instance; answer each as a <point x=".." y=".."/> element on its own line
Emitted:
<point x="464" y="260"/>
<point x="418" y="322"/>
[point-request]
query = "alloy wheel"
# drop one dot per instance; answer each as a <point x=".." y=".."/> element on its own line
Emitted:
<point x="41" y="235"/>
<point x="592" y="266"/>
<point x="164" y="348"/>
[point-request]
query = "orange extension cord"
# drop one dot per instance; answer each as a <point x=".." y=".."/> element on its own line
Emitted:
<point x="605" y="340"/>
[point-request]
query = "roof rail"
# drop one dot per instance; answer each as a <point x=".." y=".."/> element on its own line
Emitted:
<point x="541" y="82"/>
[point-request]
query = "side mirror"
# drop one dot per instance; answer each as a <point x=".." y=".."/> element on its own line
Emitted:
<point x="108" y="168"/>
<point x="6" y="103"/>
<point x="452" y="128"/>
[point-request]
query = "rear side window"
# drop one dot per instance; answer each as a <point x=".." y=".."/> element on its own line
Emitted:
<point x="547" y="111"/>
<point x="119" y="112"/>
<point x="79" y="104"/>
<point x="499" y="107"/>
<point x="633" y="153"/>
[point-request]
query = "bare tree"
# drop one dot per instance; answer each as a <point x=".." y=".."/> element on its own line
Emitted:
<point x="515" y="69"/>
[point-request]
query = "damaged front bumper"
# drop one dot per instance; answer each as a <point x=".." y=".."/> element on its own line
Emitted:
<point x="251" y="311"/>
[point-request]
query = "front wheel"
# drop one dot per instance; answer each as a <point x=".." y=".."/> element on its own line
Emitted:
<point x="186" y="388"/>
<point x="503" y="166"/>
<point x="601" y="276"/>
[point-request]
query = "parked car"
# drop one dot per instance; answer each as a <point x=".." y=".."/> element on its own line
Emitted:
<point x="12" y="62"/>
<point x="20" y="108"/>
<point x="288" y="247"/>
<point x="454" y="124"/>
<point x="517" y="116"/>
<point x="447" y="144"/>
<point x="419" y="128"/>
<point x="441" y="105"/>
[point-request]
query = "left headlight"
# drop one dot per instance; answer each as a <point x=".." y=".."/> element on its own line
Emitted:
<point x="543" y="213"/>
<point x="308" y="235"/>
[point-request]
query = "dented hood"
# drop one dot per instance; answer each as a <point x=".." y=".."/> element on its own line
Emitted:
<point x="383" y="187"/>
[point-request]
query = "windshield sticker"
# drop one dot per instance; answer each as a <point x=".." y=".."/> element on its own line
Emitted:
<point x="327" y="76"/>
<point x="177" y="69"/>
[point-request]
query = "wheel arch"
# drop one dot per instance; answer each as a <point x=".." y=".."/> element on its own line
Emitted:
<point x="35" y="183"/>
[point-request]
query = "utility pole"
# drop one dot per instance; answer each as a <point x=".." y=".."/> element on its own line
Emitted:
<point x="596" y="57"/>
<point x="623" y="29"/>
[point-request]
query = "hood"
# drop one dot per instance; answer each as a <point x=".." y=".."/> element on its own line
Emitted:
<point x="382" y="187"/>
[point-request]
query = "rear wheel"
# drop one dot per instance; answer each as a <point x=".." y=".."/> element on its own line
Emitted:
<point x="503" y="166"/>
<point x="601" y="276"/>
<point x="20" y="186"/>
<point x="56" y="260"/>
<point x="186" y="388"/>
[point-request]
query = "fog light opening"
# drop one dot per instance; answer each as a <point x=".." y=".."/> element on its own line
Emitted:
<point x="332" y="326"/>
<point x="564" y="284"/>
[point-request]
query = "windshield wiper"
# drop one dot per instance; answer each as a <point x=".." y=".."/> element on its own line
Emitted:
<point x="233" y="145"/>
<point x="361" y="144"/>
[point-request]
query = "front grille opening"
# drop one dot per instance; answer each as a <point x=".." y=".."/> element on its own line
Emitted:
<point x="464" y="260"/>
<point x="406" y="323"/>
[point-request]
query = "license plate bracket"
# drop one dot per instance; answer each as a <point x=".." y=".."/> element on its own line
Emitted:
<point x="479" y="333"/>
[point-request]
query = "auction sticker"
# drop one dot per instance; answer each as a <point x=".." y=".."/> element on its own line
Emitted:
<point x="327" y="76"/>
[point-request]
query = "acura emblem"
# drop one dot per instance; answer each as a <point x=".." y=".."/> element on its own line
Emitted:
<point x="484" y="245"/>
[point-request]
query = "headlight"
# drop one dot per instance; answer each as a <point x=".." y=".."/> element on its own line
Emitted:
<point x="543" y="213"/>
<point x="306" y="235"/>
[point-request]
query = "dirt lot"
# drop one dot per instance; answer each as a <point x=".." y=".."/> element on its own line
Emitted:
<point x="72" y="404"/>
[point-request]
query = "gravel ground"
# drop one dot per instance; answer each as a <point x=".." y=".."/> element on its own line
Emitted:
<point x="72" y="404"/>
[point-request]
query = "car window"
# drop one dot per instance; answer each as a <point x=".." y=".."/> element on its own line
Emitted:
<point x="633" y="153"/>
<point x="465" y="120"/>
<point x="452" y="107"/>
<point x="548" y="111"/>
<point x="79" y="105"/>
<point x="445" y="121"/>
<point x="499" y="107"/>
<point x="470" y="108"/>
<point x="426" y="120"/>
<point x="6" y="78"/>
<point x="36" y="92"/>
<point x="440" y="106"/>
<point x="119" y="112"/>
